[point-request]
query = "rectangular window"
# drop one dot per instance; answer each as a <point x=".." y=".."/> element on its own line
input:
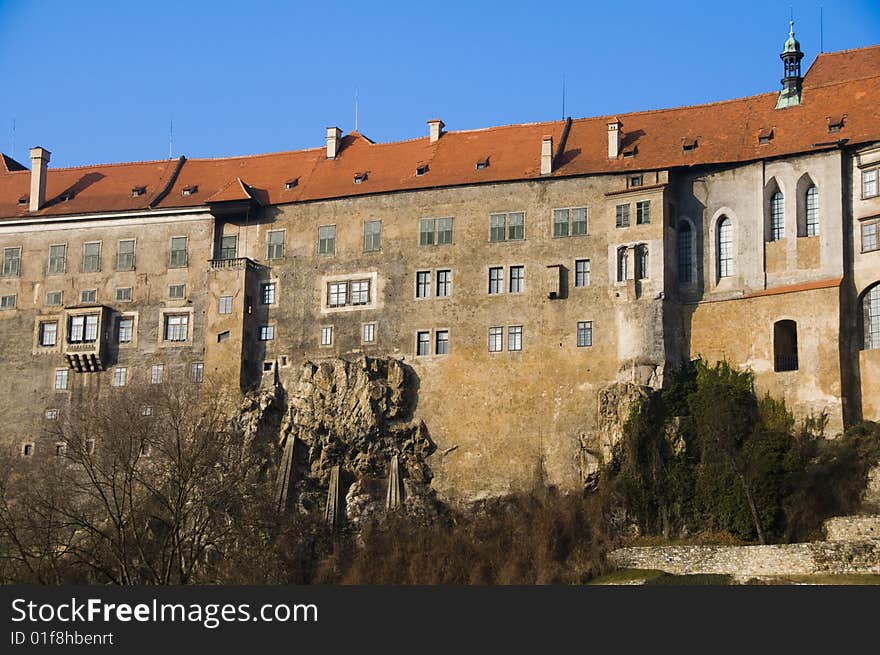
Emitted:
<point x="157" y="373"/>
<point x="225" y="305"/>
<point x="444" y="284"/>
<point x="7" y="302"/>
<point x="125" y="255"/>
<point x="123" y="294"/>
<point x="177" y="291"/>
<point x="61" y="379"/>
<point x="578" y="221"/>
<point x="57" y="258"/>
<point x="560" y="222"/>
<point x="585" y="334"/>
<point x="509" y="226"/>
<point x="88" y="295"/>
<point x="267" y="332"/>
<point x="368" y="335"/>
<point x="869" y="236"/>
<point x="327" y="240"/>
<point x="53" y="298"/>
<point x="176" y="327"/>
<point x="48" y="333"/>
<point x="276" y="244"/>
<point x="197" y="372"/>
<point x="229" y="247"/>
<point x="91" y="257"/>
<point x="267" y="293"/>
<point x="125" y="329"/>
<point x="635" y="180"/>
<point x="11" y="262"/>
<point x="869" y="183"/>
<point x="643" y="212"/>
<point x="497" y="227"/>
<point x="441" y="342"/>
<point x="572" y="221"/>
<point x="496" y="334"/>
<point x="360" y="292"/>
<point x="444" y="231"/>
<point x="423" y="343"/>
<point x="337" y="294"/>
<point x="327" y="335"/>
<point x="517" y="279"/>
<point x="516" y="226"/>
<point x="52" y="414"/>
<point x="120" y="374"/>
<point x="177" y="258"/>
<point x="82" y="329"/>
<point x="582" y="273"/>
<point x="426" y="231"/>
<point x="372" y="236"/>
<point x="622" y="216"/>
<point x="514" y="337"/>
<point x="423" y="284"/>
<point x="496" y="279"/>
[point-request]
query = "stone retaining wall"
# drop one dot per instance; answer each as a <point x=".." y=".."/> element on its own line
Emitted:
<point x="852" y="528"/>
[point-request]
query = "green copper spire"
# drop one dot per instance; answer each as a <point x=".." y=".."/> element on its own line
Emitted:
<point x="791" y="81"/>
<point x="792" y="45"/>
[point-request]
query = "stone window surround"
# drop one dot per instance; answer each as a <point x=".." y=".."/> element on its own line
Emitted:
<point x="869" y="220"/>
<point x="190" y="328"/>
<point x="363" y="328"/>
<point x="506" y="213"/>
<point x="133" y="255"/>
<point x="586" y="232"/>
<point x="134" y="329"/>
<point x="717" y="283"/>
<point x="332" y="340"/>
<point x="100" y="243"/>
<point x="372" y="276"/>
<point x="432" y="342"/>
<point x="59" y="333"/>
<point x="49" y="259"/>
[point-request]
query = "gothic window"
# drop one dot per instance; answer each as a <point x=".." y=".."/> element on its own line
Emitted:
<point x="812" y="204"/>
<point x="621" y="264"/>
<point x="725" y="247"/>
<point x="871" y="314"/>
<point x="777" y="216"/>
<point x="642" y="272"/>
<point x="685" y="253"/>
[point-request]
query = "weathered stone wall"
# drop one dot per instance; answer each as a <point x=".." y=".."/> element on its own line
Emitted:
<point x="852" y="528"/>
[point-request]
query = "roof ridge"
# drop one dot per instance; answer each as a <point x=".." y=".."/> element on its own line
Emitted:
<point x="114" y="164"/>
<point x="664" y="109"/>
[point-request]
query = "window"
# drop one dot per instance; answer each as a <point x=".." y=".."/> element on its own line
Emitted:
<point x="177" y="291"/>
<point x="642" y="268"/>
<point x="496" y="279"/>
<point x="52" y="414"/>
<point x="725" y="247"/>
<point x="871" y="317"/>
<point x="57" y="258"/>
<point x="785" y="348"/>
<point x="225" y="305"/>
<point x="120" y="373"/>
<point x="223" y="336"/>
<point x="372" y="236"/>
<point x="812" y="199"/>
<point x="441" y="340"/>
<point x="275" y="244"/>
<point x="622" y="265"/>
<point x="869" y="236"/>
<point x="229" y="247"/>
<point x="444" y="283"/>
<point x="146" y="410"/>
<point x="360" y="292"/>
<point x="60" y="449"/>
<point x="125" y="255"/>
<point x="91" y="257"/>
<point x="267" y="293"/>
<point x="327" y="335"/>
<point x="514" y="338"/>
<point x="7" y="302"/>
<point x="423" y="284"/>
<point x="177" y="258"/>
<point x="516" y="226"/>
<point x="684" y="253"/>
<point x="348" y="292"/>
<point x="581" y="272"/>
<point x="48" y="333"/>
<point x="176" y="327"/>
<point x="496" y="334"/>
<point x="510" y="226"/>
<point x="123" y="294"/>
<point x="125" y="329"/>
<point x="572" y="221"/>
<point x="517" y="279"/>
<point x="622" y="216"/>
<point x="869" y="183"/>
<point x="435" y="231"/>
<point x="426" y="232"/>
<point x="423" y="343"/>
<point x="54" y="298"/>
<point x="584" y="334"/>
<point x="327" y="240"/>
<point x="635" y="180"/>
<point x="11" y="262"/>
<point x="88" y="295"/>
<point x="190" y="190"/>
<point x="82" y="329"/>
<point x="60" y="379"/>
<point x="643" y="212"/>
<point x="267" y="332"/>
<point x="777" y="216"/>
<point x="197" y="372"/>
<point x="337" y="294"/>
<point x="157" y="373"/>
<point x="497" y="227"/>
<point x="368" y="333"/>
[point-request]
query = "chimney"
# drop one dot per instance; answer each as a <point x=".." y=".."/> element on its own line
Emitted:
<point x="547" y="155"/>
<point x="334" y="137"/>
<point x="613" y="138"/>
<point x="435" y="129"/>
<point x="39" y="162"/>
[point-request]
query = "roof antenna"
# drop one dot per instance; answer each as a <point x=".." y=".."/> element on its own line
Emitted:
<point x="563" y="96"/>
<point x="170" y="138"/>
<point x="12" y="151"/>
<point x="821" y="30"/>
<point x="355" y="109"/>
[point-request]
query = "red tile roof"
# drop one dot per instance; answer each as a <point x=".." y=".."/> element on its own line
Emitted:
<point x="837" y="83"/>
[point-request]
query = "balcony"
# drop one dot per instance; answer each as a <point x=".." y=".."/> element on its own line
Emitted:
<point x="84" y="357"/>
<point x="234" y="264"/>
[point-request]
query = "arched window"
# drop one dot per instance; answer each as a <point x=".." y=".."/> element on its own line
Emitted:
<point x="785" y="347"/>
<point x="725" y="247"/>
<point x="642" y="271"/>
<point x="871" y="313"/>
<point x="621" y="264"/>
<point x="777" y="216"/>
<point x="685" y="253"/>
<point x="812" y="202"/>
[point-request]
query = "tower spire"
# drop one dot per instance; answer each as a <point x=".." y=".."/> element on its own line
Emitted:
<point x="791" y="63"/>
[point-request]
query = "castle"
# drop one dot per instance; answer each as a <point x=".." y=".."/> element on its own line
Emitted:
<point x="520" y="271"/>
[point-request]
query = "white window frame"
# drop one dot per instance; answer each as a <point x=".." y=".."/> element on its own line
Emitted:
<point x="273" y="248"/>
<point x="368" y="332"/>
<point x="521" y="279"/>
<point x="496" y="339"/>
<point x="582" y="276"/>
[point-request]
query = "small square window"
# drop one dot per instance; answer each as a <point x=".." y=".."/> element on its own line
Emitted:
<point x="60" y="449"/>
<point x="53" y="298"/>
<point x="123" y="294"/>
<point x="635" y="180"/>
<point x="368" y="335"/>
<point x="327" y="335"/>
<point x="27" y="449"/>
<point x="7" y="302"/>
<point x="176" y="291"/>
<point x="267" y="332"/>
<point x="88" y="295"/>
<point x="146" y="410"/>
<point x="225" y="305"/>
<point x="190" y="190"/>
<point x="51" y="414"/>
<point x="267" y="367"/>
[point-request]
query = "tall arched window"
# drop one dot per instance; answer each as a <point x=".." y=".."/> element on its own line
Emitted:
<point x="725" y="247"/>
<point x="621" y="264"/>
<point x="871" y="313"/>
<point x="685" y="253"/>
<point x="642" y="268"/>
<point x="777" y="216"/>
<point x="812" y="202"/>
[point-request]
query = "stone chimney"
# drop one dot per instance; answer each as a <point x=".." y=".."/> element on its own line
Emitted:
<point x="39" y="163"/>
<point x="334" y="139"/>
<point x="546" y="155"/>
<point x="613" y="138"/>
<point x="435" y="129"/>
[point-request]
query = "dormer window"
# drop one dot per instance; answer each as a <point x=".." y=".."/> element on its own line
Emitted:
<point x="688" y="145"/>
<point x="630" y="152"/>
<point x="421" y="170"/>
<point x="23" y="200"/>
<point x="190" y="190"/>
<point x="359" y="178"/>
<point x="635" y="180"/>
<point x="835" y="123"/>
<point x="138" y="191"/>
<point x="765" y="136"/>
<point x="482" y="163"/>
<point x="291" y="183"/>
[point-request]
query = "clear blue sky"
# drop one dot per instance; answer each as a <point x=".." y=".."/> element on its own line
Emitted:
<point x="100" y="81"/>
